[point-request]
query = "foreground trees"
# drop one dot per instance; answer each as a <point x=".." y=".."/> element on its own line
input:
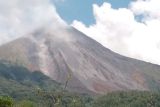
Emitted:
<point x="66" y="99"/>
<point x="6" y="101"/>
<point x="129" y="99"/>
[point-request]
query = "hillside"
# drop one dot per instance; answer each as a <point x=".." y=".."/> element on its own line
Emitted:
<point x="19" y="82"/>
<point x="34" y="89"/>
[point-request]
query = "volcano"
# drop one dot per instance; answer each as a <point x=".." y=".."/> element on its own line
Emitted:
<point x="64" y="53"/>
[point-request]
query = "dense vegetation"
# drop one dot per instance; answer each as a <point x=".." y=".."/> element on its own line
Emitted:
<point x="21" y="88"/>
<point x="129" y="99"/>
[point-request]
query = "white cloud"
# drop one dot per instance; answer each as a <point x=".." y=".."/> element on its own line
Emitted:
<point x="118" y="29"/>
<point x="149" y="8"/>
<point x="18" y="17"/>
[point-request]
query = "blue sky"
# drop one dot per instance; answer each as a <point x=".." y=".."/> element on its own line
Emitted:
<point x="71" y="10"/>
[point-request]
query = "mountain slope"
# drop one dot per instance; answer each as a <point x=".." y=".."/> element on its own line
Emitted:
<point x="64" y="52"/>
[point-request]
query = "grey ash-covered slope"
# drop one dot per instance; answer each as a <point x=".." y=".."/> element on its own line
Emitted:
<point x="64" y="52"/>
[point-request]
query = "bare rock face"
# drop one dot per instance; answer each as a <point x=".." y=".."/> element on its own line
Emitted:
<point x="63" y="52"/>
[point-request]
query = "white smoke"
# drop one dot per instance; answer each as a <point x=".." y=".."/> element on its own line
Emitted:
<point x="18" y="17"/>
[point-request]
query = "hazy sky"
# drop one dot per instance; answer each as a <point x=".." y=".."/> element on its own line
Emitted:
<point x="130" y="28"/>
